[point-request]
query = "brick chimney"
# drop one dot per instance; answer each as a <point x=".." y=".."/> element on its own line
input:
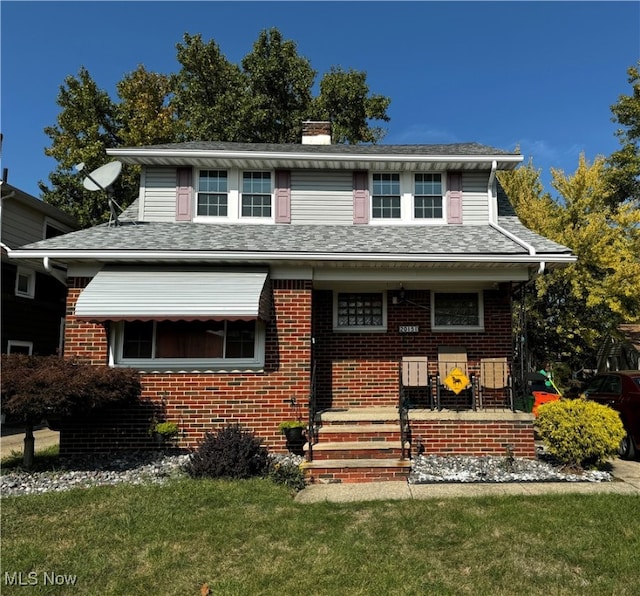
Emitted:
<point x="316" y="133"/>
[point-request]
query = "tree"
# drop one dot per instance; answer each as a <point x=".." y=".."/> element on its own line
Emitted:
<point x="345" y="100"/>
<point x="40" y="387"/>
<point x="572" y="309"/>
<point x="279" y="85"/>
<point x="85" y="127"/>
<point x="209" y="96"/>
<point x="623" y="173"/>
<point x="265" y="99"/>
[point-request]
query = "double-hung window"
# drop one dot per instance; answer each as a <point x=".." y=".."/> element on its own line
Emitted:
<point x="427" y="196"/>
<point x="385" y="197"/>
<point x="457" y="311"/>
<point x="256" y="194"/>
<point x="213" y="189"/>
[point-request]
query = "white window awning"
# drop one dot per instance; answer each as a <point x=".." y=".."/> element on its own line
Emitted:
<point x="135" y="294"/>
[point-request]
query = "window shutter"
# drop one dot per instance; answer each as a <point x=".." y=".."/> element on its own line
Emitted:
<point x="454" y="198"/>
<point x="283" y="196"/>
<point x="184" y="190"/>
<point x="360" y="198"/>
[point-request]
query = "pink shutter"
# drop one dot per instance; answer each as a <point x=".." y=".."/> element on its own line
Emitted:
<point x="283" y="196"/>
<point x="184" y="191"/>
<point x="360" y="197"/>
<point x="454" y="198"/>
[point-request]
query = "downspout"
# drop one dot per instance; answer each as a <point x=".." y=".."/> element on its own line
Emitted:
<point x="61" y="277"/>
<point x="493" y="218"/>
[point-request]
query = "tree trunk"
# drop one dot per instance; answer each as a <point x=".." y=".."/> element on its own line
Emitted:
<point x="29" y="447"/>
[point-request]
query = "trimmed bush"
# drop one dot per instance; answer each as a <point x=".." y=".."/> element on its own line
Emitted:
<point x="231" y="452"/>
<point x="580" y="434"/>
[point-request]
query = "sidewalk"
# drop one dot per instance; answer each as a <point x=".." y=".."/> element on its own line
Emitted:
<point x="13" y="440"/>
<point x="626" y="481"/>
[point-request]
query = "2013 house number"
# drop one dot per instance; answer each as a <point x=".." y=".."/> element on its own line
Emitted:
<point x="408" y="329"/>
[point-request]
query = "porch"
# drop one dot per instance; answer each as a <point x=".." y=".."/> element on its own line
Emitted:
<point x="368" y="444"/>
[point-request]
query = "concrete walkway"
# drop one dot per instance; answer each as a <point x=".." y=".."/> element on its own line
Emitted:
<point x="626" y="474"/>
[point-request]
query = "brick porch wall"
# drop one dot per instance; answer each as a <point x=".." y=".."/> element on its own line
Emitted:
<point x="481" y="437"/>
<point x="361" y="369"/>
<point x="203" y="402"/>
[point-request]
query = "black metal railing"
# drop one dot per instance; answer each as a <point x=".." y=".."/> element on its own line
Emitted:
<point x="403" y="415"/>
<point x="312" y="428"/>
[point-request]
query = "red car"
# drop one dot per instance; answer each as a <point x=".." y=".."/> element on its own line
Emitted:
<point x="621" y="391"/>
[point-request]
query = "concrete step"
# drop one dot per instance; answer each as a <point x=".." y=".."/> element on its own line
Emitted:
<point x="356" y="470"/>
<point x="341" y="450"/>
<point x="358" y="432"/>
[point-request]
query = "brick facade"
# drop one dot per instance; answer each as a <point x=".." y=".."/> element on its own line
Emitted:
<point x="361" y="369"/>
<point x="204" y="402"/>
<point x="353" y="370"/>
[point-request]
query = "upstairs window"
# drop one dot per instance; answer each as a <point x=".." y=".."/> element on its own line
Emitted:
<point x="427" y="196"/>
<point x="385" y="197"/>
<point x="213" y="188"/>
<point x="256" y="194"/>
<point x="457" y="311"/>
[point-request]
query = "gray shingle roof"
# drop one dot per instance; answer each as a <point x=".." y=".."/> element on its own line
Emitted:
<point x="303" y="239"/>
<point x="337" y="149"/>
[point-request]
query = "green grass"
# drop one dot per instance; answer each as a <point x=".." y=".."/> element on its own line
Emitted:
<point x="43" y="460"/>
<point x="250" y="537"/>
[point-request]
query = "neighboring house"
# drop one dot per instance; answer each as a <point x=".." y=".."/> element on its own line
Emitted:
<point x="33" y="297"/>
<point x="254" y="283"/>
<point x="621" y="351"/>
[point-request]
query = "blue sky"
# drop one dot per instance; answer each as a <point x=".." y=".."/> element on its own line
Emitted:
<point x="538" y="75"/>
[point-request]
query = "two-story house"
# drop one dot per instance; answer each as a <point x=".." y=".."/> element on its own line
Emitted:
<point x="33" y="292"/>
<point x="366" y="289"/>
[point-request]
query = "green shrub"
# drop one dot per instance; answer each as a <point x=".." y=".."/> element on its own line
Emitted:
<point x="231" y="452"/>
<point x="286" y="473"/>
<point x="579" y="433"/>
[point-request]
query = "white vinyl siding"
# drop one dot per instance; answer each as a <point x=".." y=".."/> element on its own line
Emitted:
<point x="159" y="194"/>
<point x="475" y="208"/>
<point x="322" y="197"/>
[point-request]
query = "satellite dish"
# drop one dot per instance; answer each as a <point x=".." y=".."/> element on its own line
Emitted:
<point x="103" y="177"/>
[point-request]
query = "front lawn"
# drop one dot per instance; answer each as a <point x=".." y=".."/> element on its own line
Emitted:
<point x="250" y="537"/>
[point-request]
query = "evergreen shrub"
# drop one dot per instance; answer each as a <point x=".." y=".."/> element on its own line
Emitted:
<point x="231" y="452"/>
<point x="580" y="434"/>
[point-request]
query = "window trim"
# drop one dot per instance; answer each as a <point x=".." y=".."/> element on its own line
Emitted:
<point x="30" y="274"/>
<point x="407" y="202"/>
<point x="234" y="197"/>
<point x="255" y="364"/>
<point x="19" y="344"/>
<point x="458" y="328"/>
<point x="359" y="328"/>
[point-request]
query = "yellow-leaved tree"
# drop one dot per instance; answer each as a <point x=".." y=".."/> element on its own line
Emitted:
<point x="570" y="311"/>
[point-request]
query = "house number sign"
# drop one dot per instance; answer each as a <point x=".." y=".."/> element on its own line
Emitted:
<point x="408" y="329"/>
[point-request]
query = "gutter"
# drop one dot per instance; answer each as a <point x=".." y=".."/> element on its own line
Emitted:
<point x="133" y="255"/>
<point x="493" y="218"/>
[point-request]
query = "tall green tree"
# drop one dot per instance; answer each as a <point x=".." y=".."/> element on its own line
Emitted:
<point x="346" y="101"/>
<point x="209" y="96"/>
<point x="278" y="83"/>
<point x="623" y="173"/>
<point x="264" y="99"/>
